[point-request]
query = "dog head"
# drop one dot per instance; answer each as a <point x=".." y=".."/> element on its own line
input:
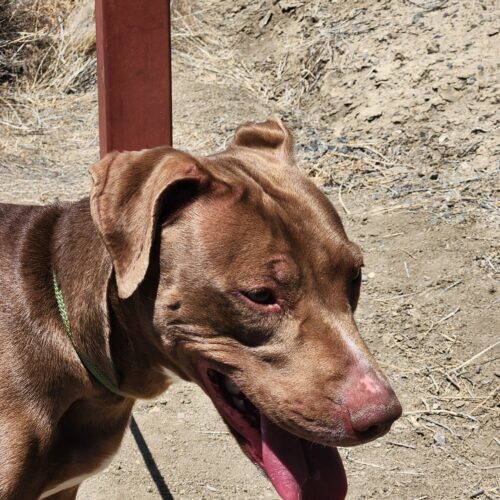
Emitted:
<point x="257" y="284"/>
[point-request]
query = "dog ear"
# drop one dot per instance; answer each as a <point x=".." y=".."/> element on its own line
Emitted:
<point x="129" y="192"/>
<point x="271" y="137"/>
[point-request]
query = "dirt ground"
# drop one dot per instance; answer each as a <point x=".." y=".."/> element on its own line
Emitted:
<point x="395" y="106"/>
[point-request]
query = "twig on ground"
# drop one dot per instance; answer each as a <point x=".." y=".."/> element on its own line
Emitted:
<point x="393" y="235"/>
<point x="439" y="424"/>
<point x="471" y="360"/>
<point x="407" y="271"/>
<point x="365" y="463"/>
<point x="453" y="382"/>
<point x="490" y="264"/>
<point x="476" y="493"/>
<point x="402" y="445"/>
<point x="341" y="201"/>
<point x="408" y="253"/>
<point x="448" y="316"/>
<point x="429" y="330"/>
<point x="442" y="320"/>
<point x="356" y="145"/>
<point x="453" y="285"/>
<point x="436" y="386"/>
<point x="383" y="210"/>
<point x="483" y="402"/>
<point x="440" y="412"/>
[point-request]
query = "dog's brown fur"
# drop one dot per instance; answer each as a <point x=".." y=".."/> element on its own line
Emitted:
<point x="151" y="269"/>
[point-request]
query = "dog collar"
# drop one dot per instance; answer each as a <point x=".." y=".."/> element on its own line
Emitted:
<point x="89" y="365"/>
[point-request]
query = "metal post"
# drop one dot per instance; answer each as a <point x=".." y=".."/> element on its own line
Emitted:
<point x="133" y="74"/>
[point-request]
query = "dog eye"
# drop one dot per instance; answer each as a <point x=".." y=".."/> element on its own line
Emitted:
<point x="261" y="296"/>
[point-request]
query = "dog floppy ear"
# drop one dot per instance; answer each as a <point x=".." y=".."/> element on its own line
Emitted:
<point x="128" y="194"/>
<point x="271" y="137"/>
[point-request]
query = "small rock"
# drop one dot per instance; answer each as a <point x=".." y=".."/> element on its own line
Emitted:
<point x="371" y="113"/>
<point x="289" y="5"/>
<point x="433" y="176"/>
<point x="265" y="20"/>
<point x="385" y="71"/>
<point x="465" y="74"/>
<point x="450" y="94"/>
<point x="417" y="17"/>
<point x="399" y="117"/>
<point x="440" y="438"/>
<point x="433" y="47"/>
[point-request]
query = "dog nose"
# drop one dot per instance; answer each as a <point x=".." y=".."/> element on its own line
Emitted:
<point x="373" y="406"/>
<point x="373" y="421"/>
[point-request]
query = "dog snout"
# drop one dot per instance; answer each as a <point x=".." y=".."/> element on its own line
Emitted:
<point x="373" y="421"/>
<point x="372" y="406"/>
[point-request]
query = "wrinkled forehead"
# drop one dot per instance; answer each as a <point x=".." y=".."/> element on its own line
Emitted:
<point x="276" y="214"/>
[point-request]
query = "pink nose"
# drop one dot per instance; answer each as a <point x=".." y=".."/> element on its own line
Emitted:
<point x="372" y="405"/>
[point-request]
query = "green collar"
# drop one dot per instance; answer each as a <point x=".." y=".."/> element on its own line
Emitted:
<point x="93" y="369"/>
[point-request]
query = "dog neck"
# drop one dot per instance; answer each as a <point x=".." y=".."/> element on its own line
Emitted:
<point x="117" y="335"/>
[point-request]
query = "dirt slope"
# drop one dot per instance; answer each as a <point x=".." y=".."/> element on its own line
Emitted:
<point x="395" y="105"/>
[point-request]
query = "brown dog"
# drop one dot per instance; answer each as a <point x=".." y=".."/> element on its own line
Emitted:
<point x="232" y="271"/>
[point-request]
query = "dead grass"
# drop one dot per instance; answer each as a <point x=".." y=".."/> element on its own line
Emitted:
<point x="279" y="75"/>
<point x="47" y="50"/>
<point x="44" y="43"/>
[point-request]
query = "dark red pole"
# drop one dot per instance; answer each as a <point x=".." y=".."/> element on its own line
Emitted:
<point x="133" y="74"/>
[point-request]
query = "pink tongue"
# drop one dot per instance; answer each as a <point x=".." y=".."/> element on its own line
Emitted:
<point x="300" y="470"/>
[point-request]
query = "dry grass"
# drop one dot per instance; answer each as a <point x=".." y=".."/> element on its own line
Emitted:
<point x="278" y="75"/>
<point x="47" y="45"/>
<point x="47" y="50"/>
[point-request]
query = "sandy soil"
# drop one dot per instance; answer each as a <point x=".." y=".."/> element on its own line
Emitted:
<point x="395" y="106"/>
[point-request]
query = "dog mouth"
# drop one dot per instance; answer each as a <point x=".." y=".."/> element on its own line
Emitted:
<point x="298" y="469"/>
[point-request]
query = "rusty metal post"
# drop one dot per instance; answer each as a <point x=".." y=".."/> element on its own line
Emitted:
<point x="133" y="74"/>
